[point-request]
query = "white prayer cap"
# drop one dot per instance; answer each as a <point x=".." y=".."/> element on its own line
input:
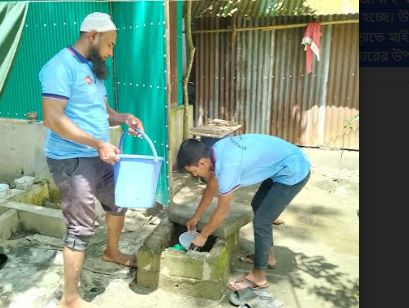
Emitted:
<point x="99" y="22"/>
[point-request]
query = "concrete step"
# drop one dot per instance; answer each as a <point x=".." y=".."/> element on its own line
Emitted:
<point x="9" y="223"/>
<point x="185" y="202"/>
<point x="37" y="219"/>
<point x="180" y="180"/>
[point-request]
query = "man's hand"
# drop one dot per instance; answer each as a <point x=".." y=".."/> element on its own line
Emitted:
<point x="199" y="240"/>
<point x="192" y="223"/>
<point x="108" y="152"/>
<point x="134" y="123"/>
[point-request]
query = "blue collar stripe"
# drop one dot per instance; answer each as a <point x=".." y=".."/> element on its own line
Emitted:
<point x="77" y="55"/>
<point x="50" y="95"/>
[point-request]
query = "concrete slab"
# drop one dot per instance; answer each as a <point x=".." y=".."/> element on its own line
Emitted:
<point x="8" y="224"/>
<point x="29" y="276"/>
<point x="186" y="201"/>
<point x="24" y="182"/>
<point x="38" y="219"/>
<point x="317" y="250"/>
<point x="37" y="194"/>
<point x="180" y="180"/>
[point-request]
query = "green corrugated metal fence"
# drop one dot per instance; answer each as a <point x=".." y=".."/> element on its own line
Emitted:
<point x="140" y="62"/>
<point x="179" y="34"/>
<point x="49" y="28"/>
<point x="139" y="65"/>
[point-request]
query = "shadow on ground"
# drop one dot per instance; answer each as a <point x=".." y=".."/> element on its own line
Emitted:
<point x="335" y="288"/>
<point x="27" y="265"/>
<point x="299" y="269"/>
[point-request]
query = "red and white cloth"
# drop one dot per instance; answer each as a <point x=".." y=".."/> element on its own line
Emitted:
<point x="311" y="40"/>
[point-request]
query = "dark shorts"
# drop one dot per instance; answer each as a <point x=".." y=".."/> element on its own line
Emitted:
<point x="80" y="181"/>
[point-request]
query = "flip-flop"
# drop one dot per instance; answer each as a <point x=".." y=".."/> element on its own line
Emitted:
<point x="249" y="259"/>
<point x="132" y="265"/>
<point x="240" y="297"/>
<point x="246" y="284"/>
<point x="265" y="303"/>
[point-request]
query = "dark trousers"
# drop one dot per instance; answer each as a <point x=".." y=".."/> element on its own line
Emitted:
<point x="268" y="203"/>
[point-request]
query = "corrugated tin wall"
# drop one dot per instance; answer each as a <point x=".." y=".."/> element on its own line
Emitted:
<point x="272" y="8"/>
<point x="342" y="103"/>
<point x="179" y="47"/>
<point x="140" y="64"/>
<point x="258" y="79"/>
<point x="49" y="28"/>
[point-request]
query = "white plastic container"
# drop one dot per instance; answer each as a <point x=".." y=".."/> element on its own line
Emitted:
<point x="24" y="183"/>
<point x="186" y="238"/>
<point x="4" y="190"/>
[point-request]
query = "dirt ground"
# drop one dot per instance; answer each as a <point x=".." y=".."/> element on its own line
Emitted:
<point x="317" y="250"/>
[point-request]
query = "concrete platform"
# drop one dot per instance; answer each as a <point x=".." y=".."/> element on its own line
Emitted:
<point x="196" y="274"/>
<point x="186" y="201"/>
<point x="317" y="250"/>
<point x="33" y="218"/>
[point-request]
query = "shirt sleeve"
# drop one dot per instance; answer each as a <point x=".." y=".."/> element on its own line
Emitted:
<point x="228" y="180"/>
<point x="56" y="81"/>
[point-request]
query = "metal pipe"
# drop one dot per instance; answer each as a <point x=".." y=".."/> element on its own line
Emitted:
<point x="277" y="27"/>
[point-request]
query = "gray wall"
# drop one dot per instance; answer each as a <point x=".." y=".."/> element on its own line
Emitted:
<point x="21" y="145"/>
<point x="21" y="149"/>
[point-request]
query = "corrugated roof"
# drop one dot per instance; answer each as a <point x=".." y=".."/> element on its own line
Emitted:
<point x="271" y="8"/>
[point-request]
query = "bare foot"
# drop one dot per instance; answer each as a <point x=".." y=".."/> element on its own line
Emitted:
<point x="271" y="262"/>
<point x="278" y="221"/>
<point x="256" y="280"/>
<point x="120" y="258"/>
<point x="76" y="303"/>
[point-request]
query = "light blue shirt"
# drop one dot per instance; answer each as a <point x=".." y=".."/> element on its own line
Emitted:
<point x="249" y="159"/>
<point x="68" y="76"/>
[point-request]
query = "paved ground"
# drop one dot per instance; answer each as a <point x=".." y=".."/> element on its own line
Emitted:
<point x="317" y="250"/>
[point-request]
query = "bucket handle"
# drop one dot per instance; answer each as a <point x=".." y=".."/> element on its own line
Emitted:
<point x="145" y="136"/>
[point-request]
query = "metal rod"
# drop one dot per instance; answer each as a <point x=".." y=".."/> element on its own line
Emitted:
<point x="277" y="27"/>
<point x="169" y="96"/>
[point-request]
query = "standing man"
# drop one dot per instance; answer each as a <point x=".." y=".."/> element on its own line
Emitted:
<point x="77" y="150"/>
<point x="240" y="161"/>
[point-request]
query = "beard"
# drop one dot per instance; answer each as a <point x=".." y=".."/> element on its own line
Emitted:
<point x="99" y="68"/>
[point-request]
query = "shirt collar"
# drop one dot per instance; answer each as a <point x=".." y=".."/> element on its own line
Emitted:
<point x="77" y="55"/>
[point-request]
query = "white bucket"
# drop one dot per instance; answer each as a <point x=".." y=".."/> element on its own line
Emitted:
<point x="136" y="177"/>
<point x="4" y="190"/>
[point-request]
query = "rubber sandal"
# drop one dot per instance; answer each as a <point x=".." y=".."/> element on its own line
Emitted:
<point x="132" y="265"/>
<point x="265" y="303"/>
<point x="246" y="284"/>
<point x="240" y="297"/>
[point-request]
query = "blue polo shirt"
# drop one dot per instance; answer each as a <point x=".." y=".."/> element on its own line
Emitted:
<point x="68" y="77"/>
<point x="249" y="159"/>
